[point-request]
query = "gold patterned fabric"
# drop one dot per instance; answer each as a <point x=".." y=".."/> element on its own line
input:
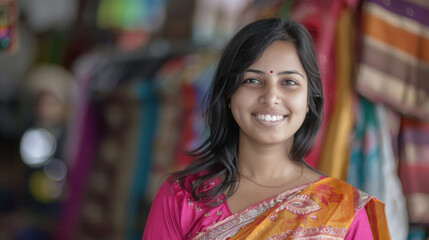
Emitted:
<point x="321" y="210"/>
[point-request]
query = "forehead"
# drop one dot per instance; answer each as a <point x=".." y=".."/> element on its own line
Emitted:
<point x="279" y="56"/>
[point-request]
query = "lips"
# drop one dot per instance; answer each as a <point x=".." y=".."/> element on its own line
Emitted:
<point x="269" y="118"/>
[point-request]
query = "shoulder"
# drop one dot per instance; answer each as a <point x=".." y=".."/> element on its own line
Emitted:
<point x="180" y="189"/>
<point x="172" y="188"/>
<point x="347" y="192"/>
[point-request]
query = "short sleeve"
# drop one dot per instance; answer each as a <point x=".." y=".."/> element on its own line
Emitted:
<point x="360" y="228"/>
<point x="164" y="216"/>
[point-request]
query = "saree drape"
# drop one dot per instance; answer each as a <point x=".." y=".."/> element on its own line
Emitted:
<point x="322" y="210"/>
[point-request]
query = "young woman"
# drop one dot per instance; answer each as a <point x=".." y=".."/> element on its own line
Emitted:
<point x="250" y="180"/>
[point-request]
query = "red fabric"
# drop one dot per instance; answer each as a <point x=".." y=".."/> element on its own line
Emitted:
<point x="320" y="18"/>
<point x="188" y="133"/>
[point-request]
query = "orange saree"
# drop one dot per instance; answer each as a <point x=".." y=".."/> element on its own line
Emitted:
<point x="321" y="210"/>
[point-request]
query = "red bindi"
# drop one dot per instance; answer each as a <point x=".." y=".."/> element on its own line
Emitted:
<point x="271" y="71"/>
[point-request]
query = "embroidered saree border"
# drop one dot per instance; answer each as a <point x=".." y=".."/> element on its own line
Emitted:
<point x="231" y="225"/>
<point x="337" y="202"/>
<point x="321" y="210"/>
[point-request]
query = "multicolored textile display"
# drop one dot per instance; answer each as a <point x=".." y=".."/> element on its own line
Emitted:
<point x="395" y="56"/>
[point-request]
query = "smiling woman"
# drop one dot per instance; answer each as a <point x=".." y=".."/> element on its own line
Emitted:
<point x="250" y="180"/>
<point x="270" y="108"/>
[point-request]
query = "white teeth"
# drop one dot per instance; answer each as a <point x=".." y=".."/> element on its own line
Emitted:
<point x="270" y="118"/>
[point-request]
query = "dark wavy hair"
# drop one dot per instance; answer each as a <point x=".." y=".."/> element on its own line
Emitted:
<point x="218" y="155"/>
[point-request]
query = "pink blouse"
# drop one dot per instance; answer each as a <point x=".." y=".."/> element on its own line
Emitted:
<point x="175" y="215"/>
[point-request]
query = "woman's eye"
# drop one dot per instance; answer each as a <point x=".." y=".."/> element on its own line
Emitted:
<point x="252" y="81"/>
<point x="289" y="82"/>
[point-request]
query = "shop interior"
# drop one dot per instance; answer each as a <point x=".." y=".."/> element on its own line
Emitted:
<point x="101" y="99"/>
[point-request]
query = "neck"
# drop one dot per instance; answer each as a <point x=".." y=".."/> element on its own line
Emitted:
<point x="263" y="161"/>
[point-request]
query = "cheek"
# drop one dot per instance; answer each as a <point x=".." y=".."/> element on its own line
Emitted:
<point x="239" y="105"/>
<point x="238" y="100"/>
<point x="299" y="103"/>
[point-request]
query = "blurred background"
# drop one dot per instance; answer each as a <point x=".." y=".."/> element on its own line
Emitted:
<point x="99" y="99"/>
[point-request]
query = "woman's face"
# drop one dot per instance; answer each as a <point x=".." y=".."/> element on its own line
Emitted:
<point x="271" y="102"/>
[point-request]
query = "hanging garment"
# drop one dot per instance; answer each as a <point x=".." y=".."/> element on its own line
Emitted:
<point x="414" y="168"/>
<point x="145" y="91"/>
<point x="169" y="125"/>
<point x="320" y="18"/>
<point x="182" y="160"/>
<point x="191" y="108"/>
<point x="394" y="199"/>
<point x="143" y="161"/>
<point x="335" y="153"/>
<point x="83" y="145"/>
<point x="201" y="85"/>
<point x="395" y="56"/>
<point x="373" y="168"/>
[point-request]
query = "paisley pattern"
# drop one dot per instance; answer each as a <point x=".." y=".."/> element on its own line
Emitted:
<point x="231" y="225"/>
<point x="301" y="205"/>
<point x="324" y="209"/>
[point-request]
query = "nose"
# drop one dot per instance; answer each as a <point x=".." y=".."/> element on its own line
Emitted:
<point x="270" y="95"/>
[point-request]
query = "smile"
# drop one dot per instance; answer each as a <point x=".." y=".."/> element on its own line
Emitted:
<point x="269" y="118"/>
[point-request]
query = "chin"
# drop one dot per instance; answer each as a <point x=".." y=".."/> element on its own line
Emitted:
<point x="273" y="140"/>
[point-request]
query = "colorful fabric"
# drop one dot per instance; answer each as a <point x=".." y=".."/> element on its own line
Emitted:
<point x="335" y="155"/>
<point x="326" y="209"/>
<point x="320" y="18"/>
<point x="393" y="70"/>
<point x="169" y="123"/>
<point x="191" y="106"/>
<point x="140" y="174"/>
<point x="395" y="56"/>
<point x="414" y="168"/>
<point x="84" y="141"/>
<point x="365" y="170"/>
<point x="373" y="167"/>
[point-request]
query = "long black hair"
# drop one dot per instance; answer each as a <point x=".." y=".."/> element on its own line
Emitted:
<point x="218" y="155"/>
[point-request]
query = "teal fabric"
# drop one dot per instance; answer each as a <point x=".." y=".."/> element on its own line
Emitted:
<point x="148" y="121"/>
<point x="365" y="169"/>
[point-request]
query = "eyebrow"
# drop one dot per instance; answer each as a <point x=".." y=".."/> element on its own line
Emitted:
<point x="280" y="73"/>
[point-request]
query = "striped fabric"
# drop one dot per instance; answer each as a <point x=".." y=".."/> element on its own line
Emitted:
<point x="414" y="168"/>
<point x="395" y="56"/>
